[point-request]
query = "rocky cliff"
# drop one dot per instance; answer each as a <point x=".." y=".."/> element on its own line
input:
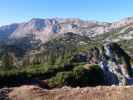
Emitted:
<point x="45" y="29"/>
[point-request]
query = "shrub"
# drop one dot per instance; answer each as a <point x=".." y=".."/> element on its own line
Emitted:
<point x="60" y="79"/>
<point x="88" y="77"/>
<point x="79" y="76"/>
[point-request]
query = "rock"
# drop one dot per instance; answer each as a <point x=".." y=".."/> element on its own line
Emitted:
<point x="4" y="93"/>
<point x="65" y="88"/>
<point x="45" y="29"/>
<point x="114" y="62"/>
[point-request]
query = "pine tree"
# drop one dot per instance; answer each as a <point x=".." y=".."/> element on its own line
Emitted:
<point x="8" y="60"/>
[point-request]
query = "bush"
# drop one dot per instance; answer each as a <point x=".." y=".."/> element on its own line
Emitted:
<point x="60" y="79"/>
<point x="79" y="76"/>
<point x="15" y="77"/>
<point x="69" y="74"/>
<point x="88" y="77"/>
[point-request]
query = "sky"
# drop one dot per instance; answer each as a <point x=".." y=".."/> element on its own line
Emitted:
<point x="12" y="11"/>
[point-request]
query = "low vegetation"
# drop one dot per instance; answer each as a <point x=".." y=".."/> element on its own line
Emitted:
<point x="57" y="61"/>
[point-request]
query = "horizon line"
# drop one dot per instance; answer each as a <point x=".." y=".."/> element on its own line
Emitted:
<point x="84" y="19"/>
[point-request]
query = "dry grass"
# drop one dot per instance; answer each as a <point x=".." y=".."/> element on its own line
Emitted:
<point x="67" y="93"/>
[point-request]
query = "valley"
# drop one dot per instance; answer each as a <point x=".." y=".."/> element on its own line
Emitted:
<point x="54" y="53"/>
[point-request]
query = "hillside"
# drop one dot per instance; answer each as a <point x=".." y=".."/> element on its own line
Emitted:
<point x="45" y="29"/>
<point x="53" y="53"/>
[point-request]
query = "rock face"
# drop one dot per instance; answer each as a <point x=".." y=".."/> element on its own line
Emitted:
<point x="118" y="63"/>
<point x="45" y="29"/>
<point x="114" y="62"/>
<point x="5" y="31"/>
<point x="4" y="93"/>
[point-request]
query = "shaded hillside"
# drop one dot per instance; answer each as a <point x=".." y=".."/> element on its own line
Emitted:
<point x="65" y="55"/>
<point x="70" y="59"/>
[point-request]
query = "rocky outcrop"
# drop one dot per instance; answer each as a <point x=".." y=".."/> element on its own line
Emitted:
<point x="45" y="29"/>
<point x="115" y="63"/>
<point x="4" y="93"/>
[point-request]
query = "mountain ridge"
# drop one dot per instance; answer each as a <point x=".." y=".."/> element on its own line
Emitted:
<point x="45" y="29"/>
<point x="55" y="48"/>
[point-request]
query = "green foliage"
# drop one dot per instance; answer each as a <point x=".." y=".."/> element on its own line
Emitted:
<point x="78" y="77"/>
<point x="127" y="46"/>
<point x="60" y="79"/>
<point x="92" y="76"/>
<point x="8" y="60"/>
<point x="54" y="63"/>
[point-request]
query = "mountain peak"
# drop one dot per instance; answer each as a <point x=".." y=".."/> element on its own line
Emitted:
<point x="44" y="29"/>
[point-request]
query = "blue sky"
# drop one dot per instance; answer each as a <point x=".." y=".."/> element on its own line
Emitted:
<point x="102" y="10"/>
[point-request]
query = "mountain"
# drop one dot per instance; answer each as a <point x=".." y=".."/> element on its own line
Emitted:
<point x="57" y="52"/>
<point x="5" y="31"/>
<point x="70" y="59"/>
<point x="45" y="29"/>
